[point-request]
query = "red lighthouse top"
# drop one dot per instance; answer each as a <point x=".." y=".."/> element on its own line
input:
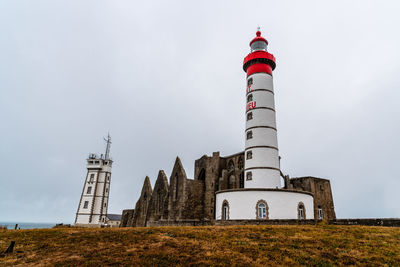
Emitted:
<point x="259" y="60"/>
<point x="258" y="38"/>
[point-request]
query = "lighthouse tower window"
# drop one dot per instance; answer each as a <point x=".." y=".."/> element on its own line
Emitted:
<point x="249" y="98"/>
<point x="258" y="45"/>
<point x="249" y="155"/>
<point x="249" y="135"/>
<point x="249" y="116"/>
<point x="249" y="176"/>
<point x="249" y="81"/>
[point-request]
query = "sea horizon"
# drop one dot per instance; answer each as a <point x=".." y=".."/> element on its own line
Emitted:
<point x="27" y="225"/>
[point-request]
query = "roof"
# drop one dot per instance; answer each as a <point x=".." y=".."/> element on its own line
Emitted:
<point x="114" y="217"/>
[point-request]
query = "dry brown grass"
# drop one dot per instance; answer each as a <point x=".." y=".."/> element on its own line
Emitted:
<point x="322" y="245"/>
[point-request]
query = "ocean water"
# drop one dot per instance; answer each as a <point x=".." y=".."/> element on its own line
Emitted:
<point x="26" y="225"/>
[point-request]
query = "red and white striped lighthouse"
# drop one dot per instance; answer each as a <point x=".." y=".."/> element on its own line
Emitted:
<point x="261" y="146"/>
<point x="262" y="198"/>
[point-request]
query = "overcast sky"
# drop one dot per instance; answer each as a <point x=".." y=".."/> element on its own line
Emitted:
<point x="165" y="79"/>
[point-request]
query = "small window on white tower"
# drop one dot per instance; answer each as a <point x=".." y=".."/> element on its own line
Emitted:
<point x="249" y="116"/>
<point x="91" y="178"/>
<point x="249" y="176"/>
<point x="89" y="190"/>
<point x="106" y="190"/>
<point x="86" y="204"/>
<point x="249" y="155"/>
<point x="249" y="135"/>
<point x="105" y="205"/>
<point x="249" y="81"/>
<point x="320" y="214"/>
<point x="249" y="98"/>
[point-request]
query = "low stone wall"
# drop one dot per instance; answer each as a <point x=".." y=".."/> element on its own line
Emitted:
<point x="389" y="222"/>
<point x="392" y="222"/>
<point x="180" y="223"/>
<point x="265" y="222"/>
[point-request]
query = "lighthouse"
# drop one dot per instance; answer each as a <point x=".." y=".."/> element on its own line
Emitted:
<point x="262" y="197"/>
<point x="261" y="145"/>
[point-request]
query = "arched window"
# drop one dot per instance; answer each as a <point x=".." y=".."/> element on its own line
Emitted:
<point x="249" y="116"/>
<point x="240" y="163"/>
<point x="225" y="210"/>
<point x="249" y="98"/>
<point x="249" y="176"/>
<point x="177" y="186"/>
<point x="320" y="214"/>
<point x="301" y="211"/>
<point x="249" y="135"/>
<point x="202" y="175"/>
<point x="249" y="155"/>
<point x="262" y="210"/>
<point x="231" y="166"/>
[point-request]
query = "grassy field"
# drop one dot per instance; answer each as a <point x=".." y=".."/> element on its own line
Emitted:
<point x="322" y="245"/>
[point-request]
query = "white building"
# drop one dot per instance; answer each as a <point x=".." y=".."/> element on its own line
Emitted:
<point x="262" y="196"/>
<point x="93" y="204"/>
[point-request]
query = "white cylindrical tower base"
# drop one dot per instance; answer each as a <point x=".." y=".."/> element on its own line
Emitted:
<point x="261" y="148"/>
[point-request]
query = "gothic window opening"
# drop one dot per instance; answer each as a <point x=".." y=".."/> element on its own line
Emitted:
<point x="225" y="210"/>
<point x="249" y="155"/>
<point x="301" y="211"/>
<point x="202" y="175"/>
<point x="249" y="98"/>
<point x="249" y="176"/>
<point x="262" y="210"/>
<point x="240" y="163"/>
<point x="320" y="214"/>
<point x="159" y="200"/>
<point x="231" y="166"/>
<point x="177" y="186"/>
<point x="241" y="185"/>
<point x="249" y="116"/>
<point x="249" y="135"/>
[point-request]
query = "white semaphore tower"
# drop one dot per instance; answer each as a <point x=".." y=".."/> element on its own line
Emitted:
<point x="261" y="146"/>
<point x="93" y="204"/>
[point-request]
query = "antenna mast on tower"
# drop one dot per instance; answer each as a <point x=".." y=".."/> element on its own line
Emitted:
<point x="108" y="146"/>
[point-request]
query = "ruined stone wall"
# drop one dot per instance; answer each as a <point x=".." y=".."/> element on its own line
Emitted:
<point x="184" y="201"/>
<point x="140" y="215"/>
<point x="194" y="202"/>
<point x="159" y="198"/>
<point x="127" y="218"/>
<point x="177" y="192"/>
<point x="321" y="188"/>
